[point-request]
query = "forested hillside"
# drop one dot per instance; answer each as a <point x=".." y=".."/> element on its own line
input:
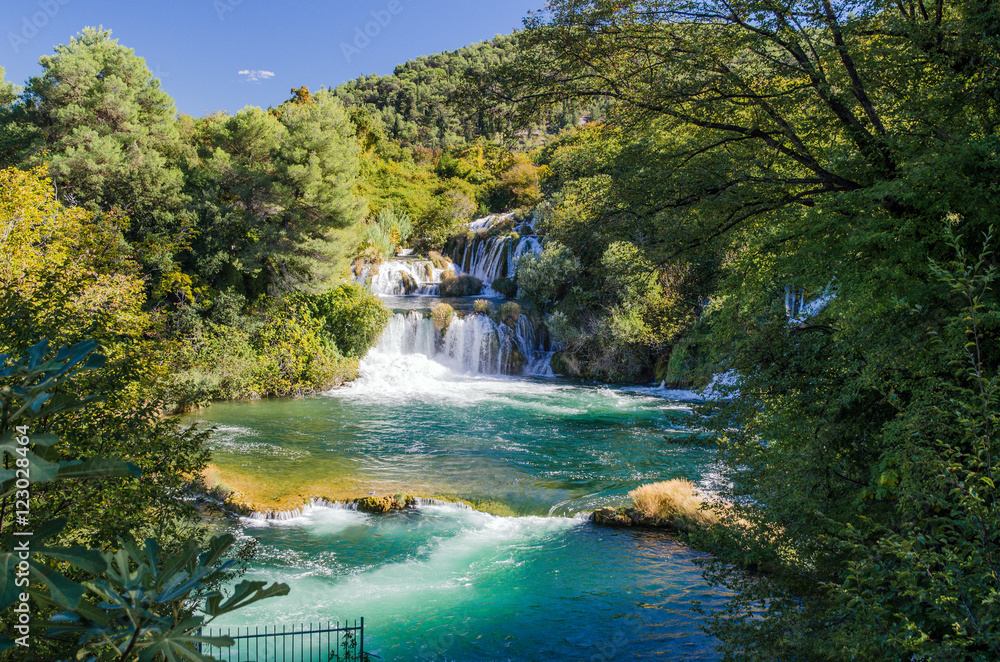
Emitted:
<point x="422" y="102"/>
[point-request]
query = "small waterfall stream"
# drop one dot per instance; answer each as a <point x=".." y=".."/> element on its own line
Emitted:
<point x="471" y="344"/>
<point x="481" y="255"/>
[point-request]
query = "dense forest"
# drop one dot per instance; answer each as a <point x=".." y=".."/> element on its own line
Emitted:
<point x="423" y="104"/>
<point x="793" y="203"/>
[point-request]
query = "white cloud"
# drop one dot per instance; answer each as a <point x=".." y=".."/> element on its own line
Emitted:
<point x="256" y="75"/>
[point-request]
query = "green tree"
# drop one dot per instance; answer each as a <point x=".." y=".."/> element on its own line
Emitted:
<point x="108" y="133"/>
<point x="817" y="145"/>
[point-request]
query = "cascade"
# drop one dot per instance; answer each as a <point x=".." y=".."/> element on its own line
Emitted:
<point x="399" y="277"/>
<point x="472" y="344"/>
<point x="486" y="258"/>
<point x="490" y="258"/>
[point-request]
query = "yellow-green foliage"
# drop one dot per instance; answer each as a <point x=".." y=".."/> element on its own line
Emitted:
<point x="441" y="316"/>
<point x="483" y="306"/>
<point x="675" y="502"/>
<point x="65" y="273"/>
<point x="284" y="352"/>
<point x="382" y="235"/>
<point x="352" y="316"/>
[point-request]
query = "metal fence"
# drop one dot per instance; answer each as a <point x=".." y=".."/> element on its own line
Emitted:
<point x="295" y="643"/>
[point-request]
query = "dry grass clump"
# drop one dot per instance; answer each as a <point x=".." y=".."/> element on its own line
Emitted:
<point x="440" y="261"/>
<point x="441" y="315"/>
<point x="675" y="502"/>
<point x="483" y="306"/>
<point x="510" y="312"/>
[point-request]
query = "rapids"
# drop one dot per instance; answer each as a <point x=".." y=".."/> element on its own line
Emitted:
<point x="508" y="568"/>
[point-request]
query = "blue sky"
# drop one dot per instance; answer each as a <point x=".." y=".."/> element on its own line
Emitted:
<point x="198" y="48"/>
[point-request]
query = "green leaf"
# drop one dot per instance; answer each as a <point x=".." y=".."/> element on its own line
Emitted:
<point x="245" y="593"/>
<point x="98" y="466"/>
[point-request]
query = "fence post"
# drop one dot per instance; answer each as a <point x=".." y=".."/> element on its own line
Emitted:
<point x="362" y="656"/>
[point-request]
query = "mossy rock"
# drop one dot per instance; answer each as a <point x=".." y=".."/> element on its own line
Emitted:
<point x="460" y="286"/>
<point x="385" y="504"/>
<point x="515" y="365"/>
<point x="687" y="365"/>
<point x="505" y="286"/>
<point x="566" y="365"/>
<point x="614" y="517"/>
<point x="409" y="283"/>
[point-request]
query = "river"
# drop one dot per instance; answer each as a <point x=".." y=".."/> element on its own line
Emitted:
<point x="516" y="576"/>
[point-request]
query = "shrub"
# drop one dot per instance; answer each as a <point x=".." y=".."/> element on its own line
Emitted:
<point x="505" y="286"/>
<point x="441" y="316"/>
<point x="673" y="502"/>
<point x="460" y="286"/>
<point x="227" y="308"/>
<point x="382" y="235"/>
<point x="483" y="306"/>
<point x="510" y="311"/>
<point x="353" y="317"/>
<point x="543" y="279"/>
<point x="285" y="350"/>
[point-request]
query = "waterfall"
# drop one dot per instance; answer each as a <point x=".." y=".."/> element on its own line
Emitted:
<point x="472" y="344"/>
<point x="799" y="307"/>
<point x="401" y="277"/>
<point x="490" y="258"/>
<point x="486" y="258"/>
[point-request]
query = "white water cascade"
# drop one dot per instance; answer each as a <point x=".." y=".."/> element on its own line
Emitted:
<point x="473" y="344"/>
<point x="489" y="258"/>
<point x="485" y="257"/>
<point x="399" y="277"/>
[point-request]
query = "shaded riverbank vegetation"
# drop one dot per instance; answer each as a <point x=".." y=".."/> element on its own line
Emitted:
<point x="801" y="196"/>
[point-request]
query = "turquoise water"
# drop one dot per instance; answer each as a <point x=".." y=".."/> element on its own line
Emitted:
<point x="450" y="582"/>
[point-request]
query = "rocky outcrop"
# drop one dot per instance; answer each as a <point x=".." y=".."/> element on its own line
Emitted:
<point x="615" y="517"/>
<point x="460" y="286"/>
<point x="384" y="504"/>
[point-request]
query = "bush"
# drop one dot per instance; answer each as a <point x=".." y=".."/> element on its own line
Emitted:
<point x="544" y="279"/>
<point x="441" y="316"/>
<point x="353" y="317"/>
<point x="285" y="351"/>
<point x="460" y="286"/>
<point x="674" y="502"/>
<point x="505" y="286"/>
<point x="483" y="306"/>
<point x="510" y="312"/>
<point x="227" y="308"/>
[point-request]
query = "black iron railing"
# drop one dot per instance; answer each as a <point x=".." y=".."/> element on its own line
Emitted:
<point x="290" y="643"/>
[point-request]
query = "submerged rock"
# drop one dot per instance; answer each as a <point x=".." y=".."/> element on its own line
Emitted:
<point x="617" y="517"/>
<point x="384" y="504"/>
